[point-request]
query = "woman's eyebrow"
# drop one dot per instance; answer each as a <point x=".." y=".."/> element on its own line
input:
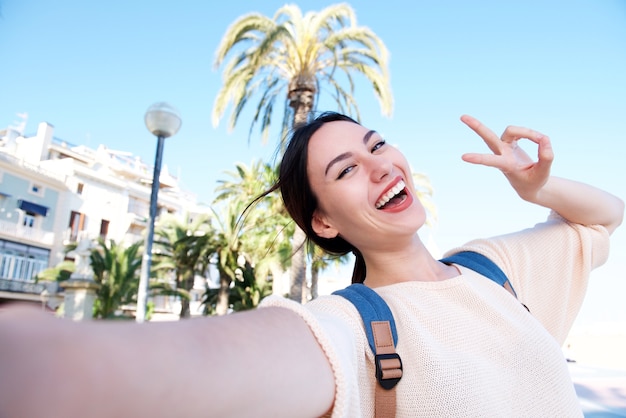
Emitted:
<point x="336" y="160"/>
<point x="367" y="136"/>
<point x="345" y="155"/>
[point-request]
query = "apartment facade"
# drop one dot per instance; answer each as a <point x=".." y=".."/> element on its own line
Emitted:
<point x="53" y="193"/>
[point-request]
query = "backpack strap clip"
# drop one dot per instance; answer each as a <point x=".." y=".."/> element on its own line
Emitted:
<point x="388" y="369"/>
<point x="387" y="361"/>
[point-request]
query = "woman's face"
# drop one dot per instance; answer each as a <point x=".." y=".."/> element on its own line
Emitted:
<point x="364" y="187"/>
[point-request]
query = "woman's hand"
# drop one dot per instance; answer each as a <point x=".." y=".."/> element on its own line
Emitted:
<point x="525" y="175"/>
<point x="577" y="202"/>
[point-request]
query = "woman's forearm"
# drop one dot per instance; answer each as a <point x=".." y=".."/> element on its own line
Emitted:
<point x="237" y="365"/>
<point x="581" y="203"/>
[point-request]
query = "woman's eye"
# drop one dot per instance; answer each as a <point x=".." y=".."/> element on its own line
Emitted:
<point x="345" y="171"/>
<point x="378" y="145"/>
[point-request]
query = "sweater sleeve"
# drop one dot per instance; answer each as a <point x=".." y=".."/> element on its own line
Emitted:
<point x="335" y="334"/>
<point x="549" y="266"/>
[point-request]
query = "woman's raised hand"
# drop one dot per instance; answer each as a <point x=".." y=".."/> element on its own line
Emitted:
<point x="526" y="175"/>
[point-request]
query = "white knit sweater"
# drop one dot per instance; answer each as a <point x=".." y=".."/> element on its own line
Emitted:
<point x="468" y="347"/>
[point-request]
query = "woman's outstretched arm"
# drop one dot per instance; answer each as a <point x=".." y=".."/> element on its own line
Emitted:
<point x="577" y="202"/>
<point x="264" y="362"/>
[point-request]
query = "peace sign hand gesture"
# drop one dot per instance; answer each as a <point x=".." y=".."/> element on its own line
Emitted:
<point x="526" y="176"/>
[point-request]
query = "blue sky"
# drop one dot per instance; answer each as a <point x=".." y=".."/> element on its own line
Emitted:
<point x="92" y="69"/>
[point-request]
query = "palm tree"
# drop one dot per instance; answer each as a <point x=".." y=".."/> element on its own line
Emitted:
<point x="267" y="226"/>
<point x="248" y="240"/>
<point x="243" y="290"/>
<point x="180" y="248"/>
<point x="225" y="245"/>
<point x="291" y="57"/>
<point x="116" y="270"/>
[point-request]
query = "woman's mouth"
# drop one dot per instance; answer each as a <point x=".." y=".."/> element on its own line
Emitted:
<point x="394" y="196"/>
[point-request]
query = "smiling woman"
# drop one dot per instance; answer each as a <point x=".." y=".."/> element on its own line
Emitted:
<point x="460" y="335"/>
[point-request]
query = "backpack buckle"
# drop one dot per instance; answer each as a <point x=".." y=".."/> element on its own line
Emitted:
<point x="388" y="369"/>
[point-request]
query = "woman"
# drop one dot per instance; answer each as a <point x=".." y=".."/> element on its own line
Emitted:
<point x="468" y="347"/>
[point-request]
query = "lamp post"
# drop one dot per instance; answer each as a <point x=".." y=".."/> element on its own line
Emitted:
<point x="163" y="121"/>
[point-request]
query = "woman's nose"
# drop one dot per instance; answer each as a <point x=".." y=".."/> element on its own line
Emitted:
<point x="380" y="167"/>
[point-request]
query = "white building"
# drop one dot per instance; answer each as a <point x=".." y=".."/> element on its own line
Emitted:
<point x="53" y="193"/>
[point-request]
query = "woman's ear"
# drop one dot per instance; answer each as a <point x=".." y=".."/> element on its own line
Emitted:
<point x="322" y="227"/>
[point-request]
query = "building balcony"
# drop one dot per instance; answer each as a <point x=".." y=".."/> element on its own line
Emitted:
<point x="22" y="286"/>
<point x="71" y="236"/>
<point x="35" y="168"/>
<point x="21" y="233"/>
<point x="47" y="293"/>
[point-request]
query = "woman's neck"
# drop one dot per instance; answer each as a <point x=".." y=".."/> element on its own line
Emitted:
<point x="405" y="263"/>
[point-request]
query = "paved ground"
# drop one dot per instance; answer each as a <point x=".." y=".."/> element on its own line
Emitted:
<point x="602" y="392"/>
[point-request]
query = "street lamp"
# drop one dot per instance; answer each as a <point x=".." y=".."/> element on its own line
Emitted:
<point x="163" y="121"/>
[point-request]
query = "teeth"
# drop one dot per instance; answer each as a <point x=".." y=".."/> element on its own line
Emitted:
<point x="390" y="194"/>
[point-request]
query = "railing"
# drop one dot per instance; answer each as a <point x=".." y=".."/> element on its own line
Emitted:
<point x="70" y="236"/>
<point x="32" y="167"/>
<point x="30" y="234"/>
<point x="22" y="286"/>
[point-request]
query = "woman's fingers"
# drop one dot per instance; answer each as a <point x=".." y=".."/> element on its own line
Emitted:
<point x="545" y="155"/>
<point x="515" y="133"/>
<point x="491" y="139"/>
<point x="510" y="136"/>
<point x="526" y="175"/>
<point x="507" y="143"/>
<point x="490" y="160"/>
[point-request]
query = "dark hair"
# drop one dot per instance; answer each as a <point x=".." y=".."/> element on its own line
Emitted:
<point x="299" y="199"/>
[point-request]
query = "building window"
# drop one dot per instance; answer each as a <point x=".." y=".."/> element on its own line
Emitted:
<point x="79" y="188"/>
<point x="36" y="189"/>
<point x="104" y="228"/>
<point x="29" y="219"/>
<point x="77" y="224"/>
<point x="21" y="262"/>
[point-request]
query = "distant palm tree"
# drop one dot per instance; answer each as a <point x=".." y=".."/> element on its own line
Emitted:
<point x="226" y="246"/>
<point x="116" y="269"/>
<point x="291" y="57"/>
<point x="243" y="244"/>
<point x="180" y="246"/>
<point x="245" y="290"/>
<point x="266" y="228"/>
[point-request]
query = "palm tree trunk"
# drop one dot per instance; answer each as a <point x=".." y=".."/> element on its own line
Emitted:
<point x="301" y="98"/>
<point x="184" y="308"/>
<point x="186" y="281"/>
<point x="221" y="307"/>
<point x="314" y="280"/>
<point x="298" y="290"/>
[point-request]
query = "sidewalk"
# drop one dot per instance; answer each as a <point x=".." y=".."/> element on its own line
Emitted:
<point x="602" y="392"/>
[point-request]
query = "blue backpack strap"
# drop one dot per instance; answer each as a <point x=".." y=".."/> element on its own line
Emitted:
<point x="483" y="265"/>
<point x="371" y="307"/>
<point x="382" y="336"/>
